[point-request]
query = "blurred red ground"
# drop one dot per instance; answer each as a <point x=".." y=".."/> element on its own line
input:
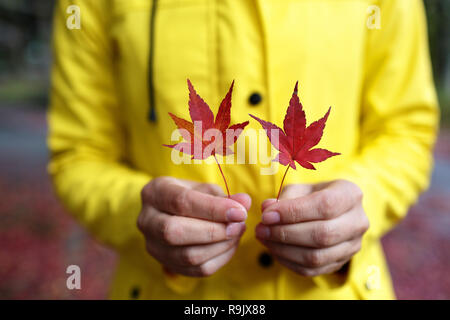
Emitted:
<point x="38" y="240"/>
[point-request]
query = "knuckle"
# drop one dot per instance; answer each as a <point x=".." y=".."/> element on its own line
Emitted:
<point x="146" y="192"/>
<point x="180" y="203"/>
<point x="328" y="204"/>
<point x="363" y="225"/>
<point x="306" y="272"/>
<point x="209" y="188"/>
<point x="357" y="247"/>
<point x="205" y="270"/>
<point x="280" y="233"/>
<point x="203" y="187"/>
<point x="171" y="231"/>
<point x="140" y="223"/>
<point x="323" y="234"/>
<point x="190" y="257"/>
<point x="366" y="224"/>
<point x="358" y="193"/>
<point x="149" y="190"/>
<point x="315" y="258"/>
<point x="162" y="180"/>
<point x="288" y="186"/>
<point x="157" y="182"/>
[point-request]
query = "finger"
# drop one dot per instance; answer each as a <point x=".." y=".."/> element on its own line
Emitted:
<point x="267" y="203"/>
<point x="175" y="230"/>
<point x="169" y="196"/>
<point x="314" y="258"/>
<point x="339" y="197"/>
<point x="206" y="269"/>
<point x="316" y="234"/>
<point x="190" y="255"/>
<point x="311" y="272"/>
<point x="242" y="198"/>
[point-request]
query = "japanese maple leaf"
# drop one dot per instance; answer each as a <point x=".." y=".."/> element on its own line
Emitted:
<point x="296" y="142"/>
<point x="201" y="141"/>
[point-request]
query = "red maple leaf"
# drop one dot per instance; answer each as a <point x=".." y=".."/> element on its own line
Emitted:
<point x="206" y="136"/>
<point x="295" y="143"/>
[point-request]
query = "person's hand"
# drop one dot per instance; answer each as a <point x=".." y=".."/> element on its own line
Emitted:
<point x="314" y="229"/>
<point x="190" y="227"/>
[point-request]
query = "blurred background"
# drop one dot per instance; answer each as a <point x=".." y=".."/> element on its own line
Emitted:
<point x="38" y="240"/>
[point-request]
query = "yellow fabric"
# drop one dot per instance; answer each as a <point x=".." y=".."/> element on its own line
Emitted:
<point x="104" y="149"/>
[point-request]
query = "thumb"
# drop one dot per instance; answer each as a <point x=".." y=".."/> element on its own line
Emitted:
<point x="209" y="188"/>
<point x="292" y="191"/>
<point x="289" y="192"/>
<point x="243" y="199"/>
<point x="267" y="203"/>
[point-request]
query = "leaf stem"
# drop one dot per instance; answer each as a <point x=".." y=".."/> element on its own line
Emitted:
<point x="223" y="176"/>
<point x="281" y="186"/>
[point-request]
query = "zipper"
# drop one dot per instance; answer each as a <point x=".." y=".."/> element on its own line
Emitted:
<point x="151" y="87"/>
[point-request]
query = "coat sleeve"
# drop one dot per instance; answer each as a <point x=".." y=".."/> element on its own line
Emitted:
<point x="399" y="117"/>
<point x="86" y="135"/>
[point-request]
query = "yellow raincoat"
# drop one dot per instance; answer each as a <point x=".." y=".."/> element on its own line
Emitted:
<point x="116" y="77"/>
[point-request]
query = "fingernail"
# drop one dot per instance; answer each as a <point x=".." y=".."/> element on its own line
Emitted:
<point x="233" y="229"/>
<point x="236" y="214"/>
<point x="262" y="231"/>
<point x="271" y="217"/>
